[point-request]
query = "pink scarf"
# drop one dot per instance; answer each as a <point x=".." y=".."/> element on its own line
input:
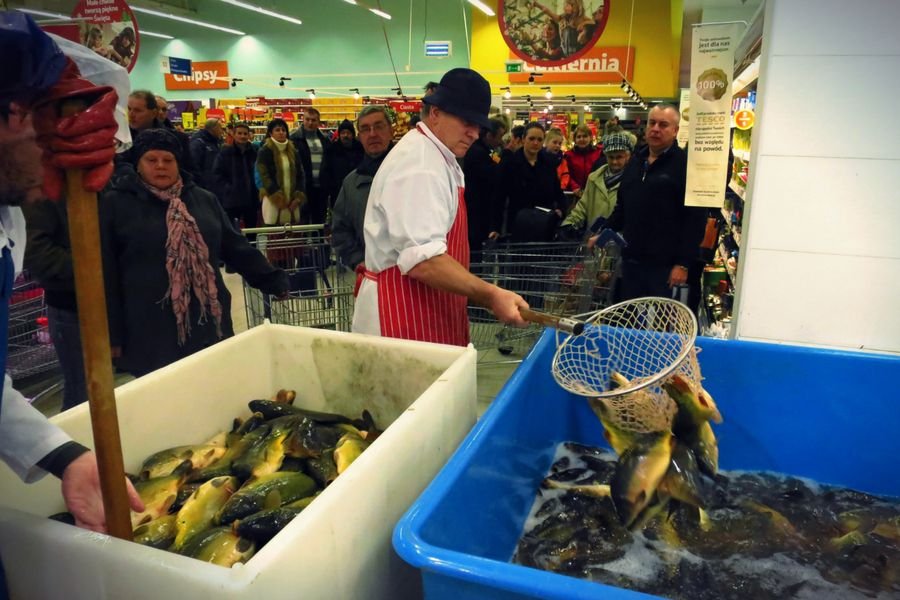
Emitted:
<point x="187" y="263"/>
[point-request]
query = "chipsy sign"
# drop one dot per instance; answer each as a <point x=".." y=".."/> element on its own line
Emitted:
<point x="597" y="65"/>
<point x="212" y="75"/>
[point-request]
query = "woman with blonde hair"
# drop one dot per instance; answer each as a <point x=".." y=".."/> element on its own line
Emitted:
<point x="581" y="158"/>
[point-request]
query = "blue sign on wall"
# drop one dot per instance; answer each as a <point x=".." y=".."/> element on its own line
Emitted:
<point x="179" y="66"/>
<point x="438" y="48"/>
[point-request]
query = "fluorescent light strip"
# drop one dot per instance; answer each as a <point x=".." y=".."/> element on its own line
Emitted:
<point x="156" y="35"/>
<point x="42" y="13"/>
<point x="264" y="11"/>
<point x="380" y="13"/>
<point x="163" y="15"/>
<point x="482" y="7"/>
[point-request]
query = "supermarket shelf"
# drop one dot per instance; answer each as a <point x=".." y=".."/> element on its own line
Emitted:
<point x="744" y="155"/>
<point x="732" y="273"/>
<point x="741" y="192"/>
<point x="736" y="235"/>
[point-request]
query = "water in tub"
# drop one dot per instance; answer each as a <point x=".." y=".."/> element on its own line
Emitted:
<point x="762" y="535"/>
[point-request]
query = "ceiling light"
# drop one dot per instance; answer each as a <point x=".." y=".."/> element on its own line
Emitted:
<point x="549" y="107"/>
<point x="546" y="111"/>
<point x="380" y="13"/>
<point x="482" y="7"/>
<point x="281" y="80"/>
<point x="157" y="35"/>
<point x="549" y="93"/>
<point x="506" y="110"/>
<point x="43" y="13"/>
<point x="587" y="108"/>
<point x="355" y="93"/>
<point x="234" y="81"/>
<point x="312" y="94"/>
<point x="164" y="15"/>
<point x="350" y="1"/>
<point x="507" y="94"/>
<point x="263" y="11"/>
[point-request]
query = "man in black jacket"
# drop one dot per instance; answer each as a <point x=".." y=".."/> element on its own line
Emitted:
<point x="662" y="233"/>
<point x="311" y="145"/>
<point x="233" y="173"/>
<point x="481" y="171"/>
<point x="340" y="158"/>
<point x="205" y="146"/>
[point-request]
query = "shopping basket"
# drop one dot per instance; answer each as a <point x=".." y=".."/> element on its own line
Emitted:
<point x="562" y="277"/>
<point x="30" y="349"/>
<point x="321" y="291"/>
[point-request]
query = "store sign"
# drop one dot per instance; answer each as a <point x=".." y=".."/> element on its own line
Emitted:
<point x="404" y="106"/>
<point x="712" y="67"/>
<point x="108" y="28"/>
<point x="212" y="75"/>
<point x="440" y="49"/>
<point x="514" y="66"/>
<point x="744" y="119"/>
<point x="175" y="66"/>
<point x="552" y="33"/>
<point x="597" y="66"/>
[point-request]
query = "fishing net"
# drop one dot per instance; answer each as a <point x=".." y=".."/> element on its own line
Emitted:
<point x="624" y="355"/>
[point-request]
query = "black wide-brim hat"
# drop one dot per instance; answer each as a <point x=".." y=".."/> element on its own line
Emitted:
<point x="464" y="93"/>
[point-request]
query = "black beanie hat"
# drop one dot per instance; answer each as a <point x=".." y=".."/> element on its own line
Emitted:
<point x="348" y="125"/>
<point x="157" y="139"/>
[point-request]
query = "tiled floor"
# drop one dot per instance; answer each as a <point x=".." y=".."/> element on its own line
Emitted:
<point x="493" y="368"/>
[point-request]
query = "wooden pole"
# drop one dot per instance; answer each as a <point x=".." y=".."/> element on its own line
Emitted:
<point x="84" y="233"/>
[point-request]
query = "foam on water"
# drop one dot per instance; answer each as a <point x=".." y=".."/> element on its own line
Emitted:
<point x="640" y="562"/>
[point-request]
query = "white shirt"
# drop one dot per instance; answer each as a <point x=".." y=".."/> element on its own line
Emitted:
<point x="412" y="206"/>
<point x="26" y="436"/>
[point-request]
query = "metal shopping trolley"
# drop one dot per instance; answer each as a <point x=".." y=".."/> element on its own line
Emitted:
<point x="321" y="290"/>
<point x="565" y="278"/>
<point x="30" y="350"/>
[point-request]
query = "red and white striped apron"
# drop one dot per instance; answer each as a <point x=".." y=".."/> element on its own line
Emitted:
<point x="410" y="310"/>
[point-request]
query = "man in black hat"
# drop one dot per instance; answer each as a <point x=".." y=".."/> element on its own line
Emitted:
<point x="340" y="158"/>
<point x="417" y="282"/>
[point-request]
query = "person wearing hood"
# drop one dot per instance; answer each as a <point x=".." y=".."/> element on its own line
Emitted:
<point x="580" y="159"/>
<point x="162" y="238"/>
<point x="339" y="159"/>
<point x="350" y="206"/>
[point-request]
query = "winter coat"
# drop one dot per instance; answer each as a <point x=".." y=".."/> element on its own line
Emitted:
<point x="349" y="212"/>
<point x="271" y="174"/>
<point x="483" y="211"/>
<point x="527" y="186"/>
<point x="580" y="162"/>
<point x="204" y="150"/>
<point x="337" y="162"/>
<point x="300" y="143"/>
<point x="234" y="172"/>
<point x="597" y="200"/>
<point x="48" y="252"/>
<point x="650" y="211"/>
<point x="133" y="233"/>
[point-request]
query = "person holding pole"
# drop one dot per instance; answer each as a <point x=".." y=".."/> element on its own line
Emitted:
<point x="29" y="444"/>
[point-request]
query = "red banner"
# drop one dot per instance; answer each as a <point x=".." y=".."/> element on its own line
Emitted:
<point x="599" y="65"/>
<point x="406" y="106"/>
<point x="109" y="29"/>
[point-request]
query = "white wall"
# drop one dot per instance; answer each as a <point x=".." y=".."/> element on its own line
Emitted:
<point x="821" y="251"/>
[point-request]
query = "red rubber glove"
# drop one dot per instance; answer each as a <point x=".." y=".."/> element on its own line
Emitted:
<point x="85" y="140"/>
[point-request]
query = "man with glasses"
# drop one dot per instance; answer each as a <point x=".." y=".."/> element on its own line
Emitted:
<point x="350" y="207"/>
<point x="662" y="233"/>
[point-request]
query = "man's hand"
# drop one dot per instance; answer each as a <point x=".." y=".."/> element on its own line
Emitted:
<point x="592" y="241"/>
<point x="81" y="492"/>
<point x="505" y="305"/>
<point x="678" y="276"/>
<point x="493" y="235"/>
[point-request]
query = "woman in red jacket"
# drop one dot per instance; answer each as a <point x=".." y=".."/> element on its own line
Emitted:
<point x="580" y="158"/>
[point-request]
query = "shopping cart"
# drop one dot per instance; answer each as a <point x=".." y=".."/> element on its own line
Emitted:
<point x="321" y="290"/>
<point x="30" y="350"/>
<point x="565" y="278"/>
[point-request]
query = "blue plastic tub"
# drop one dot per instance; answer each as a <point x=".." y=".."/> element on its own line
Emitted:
<point x="832" y="416"/>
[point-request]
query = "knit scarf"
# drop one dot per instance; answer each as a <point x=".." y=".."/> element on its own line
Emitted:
<point x="187" y="263"/>
<point x="611" y="179"/>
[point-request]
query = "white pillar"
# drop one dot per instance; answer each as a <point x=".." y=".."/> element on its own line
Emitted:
<point x="820" y="257"/>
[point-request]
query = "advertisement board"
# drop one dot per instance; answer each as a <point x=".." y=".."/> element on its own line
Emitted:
<point x="210" y="75"/>
<point x="108" y="27"/>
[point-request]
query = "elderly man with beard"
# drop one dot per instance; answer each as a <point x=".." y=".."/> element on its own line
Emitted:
<point x="350" y="207"/>
<point x="29" y="444"/>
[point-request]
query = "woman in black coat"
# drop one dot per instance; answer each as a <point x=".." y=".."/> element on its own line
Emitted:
<point x="162" y="240"/>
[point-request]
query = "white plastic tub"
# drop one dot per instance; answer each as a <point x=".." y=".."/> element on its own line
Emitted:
<point x="339" y="547"/>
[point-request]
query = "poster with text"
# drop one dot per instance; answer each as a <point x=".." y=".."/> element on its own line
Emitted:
<point x="712" y="67"/>
<point x="552" y="32"/>
<point x="109" y="29"/>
